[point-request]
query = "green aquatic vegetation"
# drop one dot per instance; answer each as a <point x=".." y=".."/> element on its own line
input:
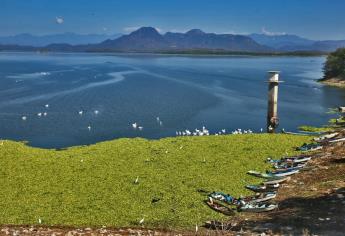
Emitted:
<point x="307" y="128"/>
<point x="117" y="183"/>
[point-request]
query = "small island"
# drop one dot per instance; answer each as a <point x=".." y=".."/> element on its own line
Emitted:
<point x="334" y="69"/>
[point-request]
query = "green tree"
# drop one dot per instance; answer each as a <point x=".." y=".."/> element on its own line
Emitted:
<point x="335" y="65"/>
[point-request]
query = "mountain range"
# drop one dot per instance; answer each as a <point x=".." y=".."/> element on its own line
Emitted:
<point x="148" y="39"/>
<point x="288" y="42"/>
<point x="44" y="40"/>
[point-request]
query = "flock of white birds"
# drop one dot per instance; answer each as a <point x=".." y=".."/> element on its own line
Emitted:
<point x="206" y="132"/>
<point x="45" y="113"/>
<point x="197" y="132"/>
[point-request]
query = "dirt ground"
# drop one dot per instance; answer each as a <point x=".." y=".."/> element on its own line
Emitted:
<point x="311" y="203"/>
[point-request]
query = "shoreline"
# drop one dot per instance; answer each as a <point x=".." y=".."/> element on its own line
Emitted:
<point x="182" y="53"/>
<point x="334" y="82"/>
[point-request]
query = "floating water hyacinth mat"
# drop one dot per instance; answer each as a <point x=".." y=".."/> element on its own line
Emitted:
<point x="120" y="182"/>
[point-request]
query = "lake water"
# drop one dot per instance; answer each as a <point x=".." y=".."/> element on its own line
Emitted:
<point x="184" y="92"/>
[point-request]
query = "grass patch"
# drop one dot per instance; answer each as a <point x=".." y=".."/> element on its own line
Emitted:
<point x="94" y="185"/>
<point x="307" y="128"/>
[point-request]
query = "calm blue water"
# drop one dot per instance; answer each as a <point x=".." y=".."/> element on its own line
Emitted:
<point x="185" y="92"/>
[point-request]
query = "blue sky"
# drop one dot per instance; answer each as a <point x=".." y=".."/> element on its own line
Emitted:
<point x="315" y="19"/>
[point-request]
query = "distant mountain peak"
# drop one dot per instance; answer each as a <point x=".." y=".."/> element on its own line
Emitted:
<point x="148" y="30"/>
<point x="195" y="32"/>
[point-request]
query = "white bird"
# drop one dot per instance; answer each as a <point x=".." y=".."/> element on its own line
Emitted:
<point x="45" y="113"/>
<point x="136" y="180"/>
<point x="140" y="128"/>
<point x="223" y="131"/>
<point x="196" y="228"/>
<point x="47" y="105"/>
<point x="135" y="125"/>
<point x="176" y="133"/>
<point x="142" y="221"/>
<point x="23" y="117"/>
<point x="160" y="123"/>
<point x="39" y="221"/>
<point x="157" y="118"/>
<point x="89" y="127"/>
<point x="80" y="112"/>
<point x="39" y="114"/>
<point x="96" y="112"/>
<point x="261" y="130"/>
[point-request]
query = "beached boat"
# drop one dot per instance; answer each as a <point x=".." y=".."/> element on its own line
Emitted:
<point x="295" y="159"/>
<point x="289" y="165"/>
<point x="277" y="181"/>
<point x="326" y="137"/>
<point x="226" y="198"/>
<point x="258" y="207"/>
<point x="263" y="187"/>
<point x="263" y="175"/>
<point x="220" y="208"/>
<point x="282" y="173"/>
<point x="259" y="197"/>
<point x="309" y="147"/>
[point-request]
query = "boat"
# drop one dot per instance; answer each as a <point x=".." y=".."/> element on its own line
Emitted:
<point x="295" y="159"/>
<point x="300" y="167"/>
<point x="326" y="136"/>
<point x="258" y="207"/>
<point x="283" y="172"/>
<point x="309" y="147"/>
<point x="277" y="181"/>
<point x="263" y="175"/>
<point x="289" y="165"/>
<point x="226" y="198"/>
<point x="298" y="159"/>
<point x="263" y="187"/>
<point x="259" y="197"/>
<point x="337" y="140"/>
<point x="220" y="208"/>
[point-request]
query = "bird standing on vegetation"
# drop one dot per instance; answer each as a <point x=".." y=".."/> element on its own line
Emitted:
<point x="142" y="221"/>
<point x="80" y="112"/>
<point x="136" y="181"/>
<point x="135" y="125"/>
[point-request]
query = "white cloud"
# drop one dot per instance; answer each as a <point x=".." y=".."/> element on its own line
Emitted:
<point x="233" y="32"/>
<point x="266" y="32"/>
<point x="130" y="29"/>
<point x="59" y="20"/>
<point x="159" y="30"/>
